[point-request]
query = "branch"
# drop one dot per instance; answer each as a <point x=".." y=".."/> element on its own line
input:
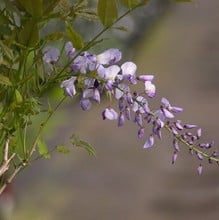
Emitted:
<point x="6" y="161"/>
<point x="11" y="177"/>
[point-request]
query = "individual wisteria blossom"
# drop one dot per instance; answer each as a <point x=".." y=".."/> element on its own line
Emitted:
<point x="91" y="91"/>
<point x="69" y="86"/>
<point x="109" y="113"/>
<point x="168" y="106"/>
<point x="109" y="74"/>
<point x="141" y="132"/>
<point x="94" y="75"/>
<point x="200" y="169"/>
<point x="85" y="104"/>
<point x="167" y="111"/>
<point x="109" y="57"/>
<point x="140" y="104"/>
<point x="121" y="119"/>
<point x="122" y="90"/>
<point x="174" y="157"/>
<point x="145" y="78"/>
<point x="70" y="50"/>
<point x="51" y="55"/>
<point x="84" y="63"/>
<point x="128" y="71"/>
<point x="149" y="142"/>
<point x="150" y="89"/>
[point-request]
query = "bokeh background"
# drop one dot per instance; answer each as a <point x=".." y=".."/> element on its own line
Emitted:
<point x="124" y="181"/>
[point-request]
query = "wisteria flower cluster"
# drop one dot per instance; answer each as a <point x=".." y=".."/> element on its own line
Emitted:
<point x="94" y="75"/>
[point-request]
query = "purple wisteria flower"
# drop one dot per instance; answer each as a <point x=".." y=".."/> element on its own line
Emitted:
<point x="91" y="91"/>
<point x="150" y="89"/>
<point x="200" y="169"/>
<point x="84" y="63"/>
<point x="174" y="157"/>
<point x="140" y="104"/>
<point x="70" y="50"/>
<point x="169" y="107"/>
<point x="145" y="78"/>
<point x="128" y="71"/>
<point x="109" y="57"/>
<point x="109" y="74"/>
<point x="51" y="55"/>
<point x="149" y="142"/>
<point x="122" y="90"/>
<point x="69" y="86"/>
<point x="167" y="111"/>
<point x="121" y="119"/>
<point x="141" y="132"/>
<point x="92" y="75"/>
<point x="109" y="113"/>
<point x="85" y="104"/>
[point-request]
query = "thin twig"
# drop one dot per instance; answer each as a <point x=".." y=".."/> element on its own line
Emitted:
<point x="6" y="161"/>
<point x="11" y="177"/>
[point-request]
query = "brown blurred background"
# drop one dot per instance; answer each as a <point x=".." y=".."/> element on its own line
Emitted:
<point x="125" y="181"/>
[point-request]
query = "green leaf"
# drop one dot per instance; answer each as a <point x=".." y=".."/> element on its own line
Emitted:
<point x="133" y="3"/>
<point x="107" y="12"/>
<point x="7" y="51"/>
<point x="88" y="14"/>
<point x="5" y="30"/>
<point x="77" y="142"/>
<point x="29" y="35"/>
<point x="33" y="7"/>
<point x="62" y="149"/>
<point x="4" y="19"/>
<point x="43" y="149"/>
<point x="49" y="5"/>
<point x="18" y="97"/>
<point x="4" y="80"/>
<point x="64" y="8"/>
<point x="75" y="38"/>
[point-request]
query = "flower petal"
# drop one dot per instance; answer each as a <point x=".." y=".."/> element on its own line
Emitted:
<point x="69" y="49"/>
<point x="149" y="142"/>
<point x="111" y="72"/>
<point x="69" y="86"/>
<point x="128" y="69"/>
<point x="109" y="57"/>
<point x="51" y="55"/>
<point x="85" y="104"/>
<point x="145" y="78"/>
<point x="109" y="113"/>
<point x="150" y="89"/>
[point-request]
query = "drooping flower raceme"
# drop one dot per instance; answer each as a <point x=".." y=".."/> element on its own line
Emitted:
<point x="93" y="75"/>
